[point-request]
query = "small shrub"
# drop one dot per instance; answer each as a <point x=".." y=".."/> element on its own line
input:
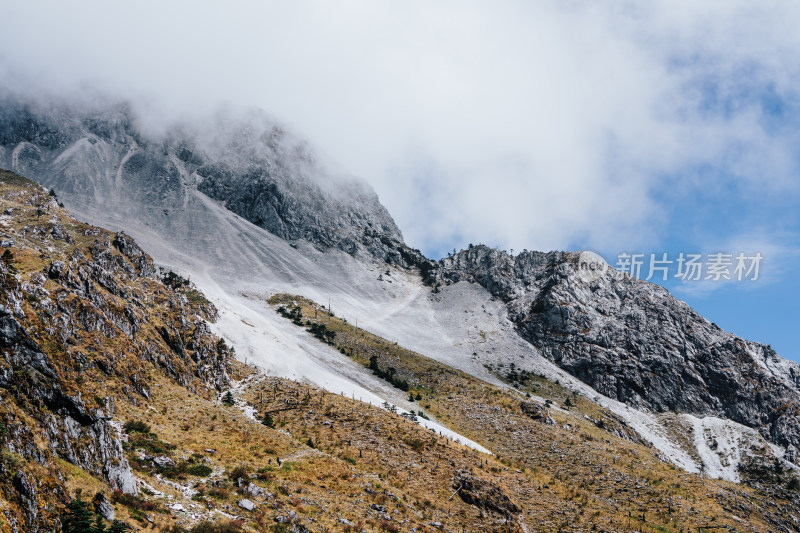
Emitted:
<point x="415" y="444"/>
<point x="218" y="493"/>
<point x="128" y="500"/>
<point x="174" y="280"/>
<point x="150" y="443"/>
<point x="200" y="470"/>
<point x="136" y="426"/>
<point x="239" y="471"/>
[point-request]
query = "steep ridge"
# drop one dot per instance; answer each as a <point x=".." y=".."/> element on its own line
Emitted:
<point x="84" y="323"/>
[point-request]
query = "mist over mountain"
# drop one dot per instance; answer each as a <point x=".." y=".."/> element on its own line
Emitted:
<point x="245" y="161"/>
<point x="241" y="208"/>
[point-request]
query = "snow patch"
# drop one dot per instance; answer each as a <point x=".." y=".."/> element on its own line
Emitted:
<point x="720" y="444"/>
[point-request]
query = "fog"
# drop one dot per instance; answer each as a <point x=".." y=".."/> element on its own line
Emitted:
<point x="524" y="125"/>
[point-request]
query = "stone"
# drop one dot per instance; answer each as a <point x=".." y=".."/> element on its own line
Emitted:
<point x="537" y="412"/>
<point x="247" y="505"/>
<point x="103" y="507"/>
<point x="483" y="494"/>
<point x="163" y="461"/>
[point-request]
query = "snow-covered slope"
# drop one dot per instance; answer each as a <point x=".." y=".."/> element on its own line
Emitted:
<point x="112" y="179"/>
<point x="238" y="266"/>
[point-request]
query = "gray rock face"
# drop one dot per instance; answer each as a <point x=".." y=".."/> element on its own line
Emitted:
<point x="81" y="436"/>
<point x="29" y="496"/>
<point x="163" y="461"/>
<point x="247" y="505"/>
<point x="103" y="507"/>
<point x="250" y="165"/>
<point x="101" y="290"/>
<point x="634" y="342"/>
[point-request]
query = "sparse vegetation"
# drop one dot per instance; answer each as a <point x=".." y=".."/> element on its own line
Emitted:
<point x="136" y="426"/>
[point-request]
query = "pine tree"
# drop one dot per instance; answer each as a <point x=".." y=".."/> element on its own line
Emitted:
<point x="267" y="420"/>
<point x="228" y="399"/>
<point x="98" y="526"/>
<point x="117" y="527"/>
<point x="78" y="518"/>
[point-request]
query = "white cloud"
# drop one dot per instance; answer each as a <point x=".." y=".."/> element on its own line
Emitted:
<point x="527" y="125"/>
<point x="778" y="253"/>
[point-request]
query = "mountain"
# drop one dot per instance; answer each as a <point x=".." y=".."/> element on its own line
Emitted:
<point x="116" y="399"/>
<point x="241" y="208"/>
<point x="633" y="341"/>
<point x="244" y="160"/>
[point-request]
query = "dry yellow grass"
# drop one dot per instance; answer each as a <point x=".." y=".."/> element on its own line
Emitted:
<point x="576" y="474"/>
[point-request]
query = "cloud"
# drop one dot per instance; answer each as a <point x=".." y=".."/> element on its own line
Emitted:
<point x="525" y="125"/>
<point x="779" y="253"/>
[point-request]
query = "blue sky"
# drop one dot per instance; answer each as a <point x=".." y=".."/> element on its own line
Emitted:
<point x="608" y="125"/>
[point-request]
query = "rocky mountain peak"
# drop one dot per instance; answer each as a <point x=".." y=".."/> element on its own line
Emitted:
<point x="245" y="161"/>
<point x="633" y="341"/>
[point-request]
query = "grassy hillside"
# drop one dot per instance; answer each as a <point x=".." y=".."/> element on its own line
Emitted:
<point x="576" y="463"/>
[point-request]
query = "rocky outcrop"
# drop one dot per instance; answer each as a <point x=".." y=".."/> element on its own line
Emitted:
<point x="537" y="412"/>
<point x="80" y="306"/>
<point x="633" y="341"/>
<point x="483" y="494"/>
